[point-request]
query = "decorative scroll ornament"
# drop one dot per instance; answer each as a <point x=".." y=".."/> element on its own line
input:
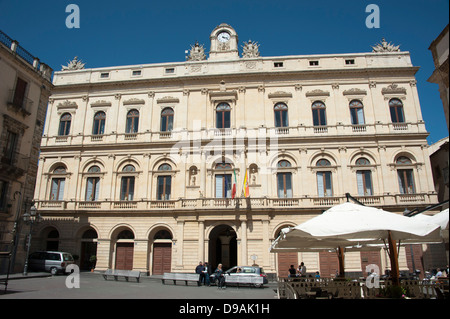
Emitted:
<point x="197" y="53"/>
<point x="250" y="49"/>
<point x="75" y="64"/>
<point x="384" y="46"/>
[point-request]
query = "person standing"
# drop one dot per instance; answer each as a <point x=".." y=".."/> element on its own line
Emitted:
<point x="199" y="270"/>
<point x="206" y="273"/>
<point x="302" y="269"/>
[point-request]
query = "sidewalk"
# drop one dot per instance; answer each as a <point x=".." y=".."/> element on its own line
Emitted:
<point x="22" y="276"/>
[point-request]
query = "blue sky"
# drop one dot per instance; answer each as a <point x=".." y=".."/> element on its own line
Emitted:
<point x="133" y="32"/>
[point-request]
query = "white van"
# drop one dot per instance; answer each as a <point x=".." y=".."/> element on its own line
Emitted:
<point x="51" y="261"/>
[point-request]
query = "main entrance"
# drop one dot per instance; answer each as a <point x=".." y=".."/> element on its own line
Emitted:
<point x="222" y="247"/>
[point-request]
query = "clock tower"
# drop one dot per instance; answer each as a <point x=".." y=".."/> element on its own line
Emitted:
<point x="224" y="43"/>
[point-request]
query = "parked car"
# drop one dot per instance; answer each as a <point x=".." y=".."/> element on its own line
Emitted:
<point x="51" y="261"/>
<point x="246" y="272"/>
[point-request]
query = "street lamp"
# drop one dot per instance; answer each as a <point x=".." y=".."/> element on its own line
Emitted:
<point x="30" y="218"/>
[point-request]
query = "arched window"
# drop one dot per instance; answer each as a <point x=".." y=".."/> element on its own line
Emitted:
<point x="319" y="113"/>
<point x="223" y="181"/>
<point x="281" y="115"/>
<point x="402" y="160"/>
<point x="405" y="175"/>
<point x="93" y="184"/>
<point x="364" y="178"/>
<point x="164" y="182"/>
<point x="357" y="112"/>
<point x="125" y="234"/>
<point x="323" y="162"/>
<point x="163" y="234"/>
<point x="324" y="181"/>
<point x="396" y="109"/>
<point x="284" y="180"/>
<point x="99" y="123"/>
<point x="223" y="112"/>
<point x="127" y="184"/>
<point x="132" y="121"/>
<point x="167" y="120"/>
<point x="64" y="124"/>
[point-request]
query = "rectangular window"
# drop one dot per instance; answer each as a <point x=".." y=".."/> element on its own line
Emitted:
<point x="324" y="187"/>
<point x="364" y="180"/>
<point x="92" y="188"/>
<point x="164" y="187"/>
<point x="104" y="75"/>
<point x="19" y="92"/>
<point x="127" y="188"/>
<point x="57" y="191"/>
<point x="10" y="148"/>
<point x="284" y="184"/>
<point x="357" y="116"/>
<point x="313" y="63"/>
<point x="397" y="114"/>
<point x="406" y="181"/>
<point x="223" y="186"/>
<point x="349" y="61"/>
<point x="278" y="64"/>
<point x="136" y="72"/>
<point x="170" y="70"/>
<point x="319" y="117"/>
<point x="3" y="195"/>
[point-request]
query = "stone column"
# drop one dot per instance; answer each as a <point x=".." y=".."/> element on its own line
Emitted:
<point x="140" y="255"/>
<point x="243" y="242"/>
<point x="103" y="254"/>
<point x="201" y="240"/>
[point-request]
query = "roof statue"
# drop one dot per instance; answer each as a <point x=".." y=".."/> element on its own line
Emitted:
<point x="385" y="47"/>
<point x="197" y="53"/>
<point x="250" y="49"/>
<point x="75" y="64"/>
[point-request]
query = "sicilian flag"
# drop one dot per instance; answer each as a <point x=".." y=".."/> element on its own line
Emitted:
<point x="233" y="192"/>
<point x="246" y="189"/>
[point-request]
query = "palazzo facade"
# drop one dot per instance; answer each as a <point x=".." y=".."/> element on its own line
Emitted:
<point x="157" y="167"/>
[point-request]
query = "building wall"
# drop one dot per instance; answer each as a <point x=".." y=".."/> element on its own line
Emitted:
<point x="25" y="118"/>
<point x="251" y="87"/>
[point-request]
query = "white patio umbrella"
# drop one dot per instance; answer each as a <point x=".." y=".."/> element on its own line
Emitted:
<point x="352" y="225"/>
<point x="440" y="218"/>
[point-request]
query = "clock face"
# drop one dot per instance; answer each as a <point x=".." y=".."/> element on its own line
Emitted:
<point x="223" y="36"/>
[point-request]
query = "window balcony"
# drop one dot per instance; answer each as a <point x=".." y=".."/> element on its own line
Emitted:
<point x="19" y="104"/>
<point x="229" y="204"/>
<point x="14" y="164"/>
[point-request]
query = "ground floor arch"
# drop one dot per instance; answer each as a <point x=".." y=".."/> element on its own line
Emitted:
<point x="160" y="242"/>
<point x="222" y="247"/>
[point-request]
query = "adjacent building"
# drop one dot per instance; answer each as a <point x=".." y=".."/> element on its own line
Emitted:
<point x="156" y="167"/>
<point x="25" y="87"/>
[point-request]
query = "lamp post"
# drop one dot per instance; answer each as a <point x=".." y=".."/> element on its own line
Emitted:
<point x="30" y="218"/>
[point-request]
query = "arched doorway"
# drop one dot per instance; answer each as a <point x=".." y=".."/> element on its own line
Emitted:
<point x="285" y="260"/>
<point x="162" y="252"/>
<point x="88" y="248"/>
<point x="223" y="247"/>
<point x="125" y="250"/>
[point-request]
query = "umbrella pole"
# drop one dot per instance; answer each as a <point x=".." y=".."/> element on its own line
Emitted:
<point x="393" y="256"/>
<point x="341" y="262"/>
